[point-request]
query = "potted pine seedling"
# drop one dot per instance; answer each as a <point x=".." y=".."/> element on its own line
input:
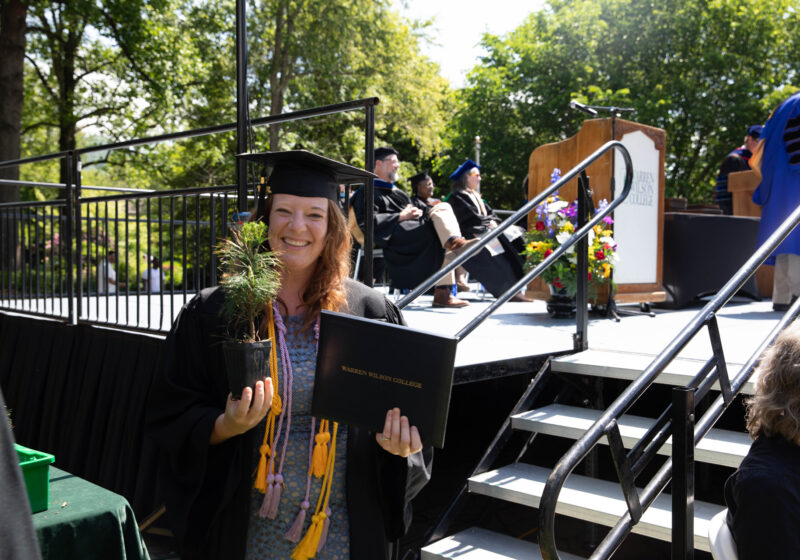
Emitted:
<point x="250" y="281"/>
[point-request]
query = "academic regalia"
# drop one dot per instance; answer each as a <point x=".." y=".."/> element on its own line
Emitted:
<point x="411" y="248"/>
<point x="496" y="273"/>
<point x="17" y="534"/>
<point x="207" y="488"/>
<point x="779" y="190"/>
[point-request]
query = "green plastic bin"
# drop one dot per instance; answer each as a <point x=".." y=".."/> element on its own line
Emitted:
<point x="35" y="467"/>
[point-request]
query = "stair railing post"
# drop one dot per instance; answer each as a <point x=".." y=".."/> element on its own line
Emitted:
<point x="683" y="473"/>
<point x="581" y="341"/>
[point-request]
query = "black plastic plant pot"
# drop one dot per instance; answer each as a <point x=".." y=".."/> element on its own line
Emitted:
<point x="246" y="363"/>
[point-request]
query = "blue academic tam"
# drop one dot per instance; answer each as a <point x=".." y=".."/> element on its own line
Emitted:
<point x="463" y="168"/>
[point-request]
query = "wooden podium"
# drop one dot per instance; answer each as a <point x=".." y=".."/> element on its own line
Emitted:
<point x="741" y="185"/>
<point x="639" y="221"/>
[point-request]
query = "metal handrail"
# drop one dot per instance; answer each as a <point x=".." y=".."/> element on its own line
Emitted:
<point x="606" y="425"/>
<point x="578" y="235"/>
<point x="205" y="131"/>
<point x="73" y="199"/>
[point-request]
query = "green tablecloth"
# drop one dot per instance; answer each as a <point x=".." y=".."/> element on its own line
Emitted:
<point x="84" y="521"/>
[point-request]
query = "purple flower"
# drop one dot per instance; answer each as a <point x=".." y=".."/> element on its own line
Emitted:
<point x="555" y="175"/>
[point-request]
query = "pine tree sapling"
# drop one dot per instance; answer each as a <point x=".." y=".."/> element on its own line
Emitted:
<point x="250" y="278"/>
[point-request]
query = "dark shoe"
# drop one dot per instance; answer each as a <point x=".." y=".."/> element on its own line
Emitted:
<point x="443" y="297"/>
<point x="463" y="287"/>
<point x="780" y="307"/>
<point x="519" y="298"/>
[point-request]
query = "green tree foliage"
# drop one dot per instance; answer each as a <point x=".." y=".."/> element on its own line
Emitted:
<point x="702" y="70"/>
<point x="309" y="53"/>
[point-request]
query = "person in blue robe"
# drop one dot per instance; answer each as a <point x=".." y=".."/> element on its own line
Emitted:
<point x="779" y="194"/>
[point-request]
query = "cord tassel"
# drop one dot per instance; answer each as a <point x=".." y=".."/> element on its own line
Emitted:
<point x="325" y="525"/>
<point x="268" y="494"/>
<point x="296" y="530"/>
<point x="308" y="546"/>
<point x="261" y="473"/>
<point x="320" y="457"/>
<point x="272" y="510"/>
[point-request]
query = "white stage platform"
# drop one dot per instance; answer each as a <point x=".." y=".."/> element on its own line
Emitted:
<point x="505" y="342"/>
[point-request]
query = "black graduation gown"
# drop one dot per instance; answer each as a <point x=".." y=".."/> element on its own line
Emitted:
<point x="498" y="273"/>
<point x="206" y="488"/>
<point x="411" y="248"/>
<point x="17" y="535"/>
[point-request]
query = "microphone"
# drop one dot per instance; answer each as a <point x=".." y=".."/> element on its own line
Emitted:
<point x="583" y="108"/>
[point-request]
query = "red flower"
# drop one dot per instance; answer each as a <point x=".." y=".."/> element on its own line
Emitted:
<point x="590" y="276"/>
<point x="548" y="252"/>
<point x="606" y="246"/>
<point x="599" y="255"/>
<point x="540" y="226"/>
<point x="557" y="284"/>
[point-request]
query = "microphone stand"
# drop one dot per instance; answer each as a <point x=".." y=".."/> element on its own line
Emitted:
<point x="612" y="310"/>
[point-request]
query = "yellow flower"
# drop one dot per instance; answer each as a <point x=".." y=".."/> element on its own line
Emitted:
<point x="607" y="233"/>
<point x="550" y="199"/>
<point x="606" y="270"/>
<point x="532" y="246"/>
<point x="598" y="229"/>
<point x="568" y="227"/>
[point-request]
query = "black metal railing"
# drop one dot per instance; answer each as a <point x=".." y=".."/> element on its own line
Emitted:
<point x="54" y="255"/>
<point x="578" y="238"/>
<point x="676" y="420"/>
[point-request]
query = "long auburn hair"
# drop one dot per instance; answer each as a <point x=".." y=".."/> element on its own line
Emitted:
<point x="326" y="288"/>
<point x="774" y="408"/>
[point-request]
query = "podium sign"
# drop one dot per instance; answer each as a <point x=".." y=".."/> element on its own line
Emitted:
<point x="636" y="219"/>
<point x="639" y="221"/>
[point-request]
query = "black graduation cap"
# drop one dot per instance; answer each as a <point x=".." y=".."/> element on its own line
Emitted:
<point x="418" y="178"/>
<point x="303" y="173"/>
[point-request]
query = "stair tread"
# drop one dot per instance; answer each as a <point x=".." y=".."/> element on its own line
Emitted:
<point x="582" y="497"/>
<point x="481" y="544"/>
<point x="719" y="447"/>
<point x="629" y="365"/>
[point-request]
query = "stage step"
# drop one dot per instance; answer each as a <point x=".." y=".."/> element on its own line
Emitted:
<point x="481" y="544"/>
<point x="719" y="447"/>
<point x="597" y="501"/>
<point x="628" y="366"/>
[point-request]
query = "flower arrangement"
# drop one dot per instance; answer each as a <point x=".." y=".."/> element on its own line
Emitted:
<point x="556" y="221"/>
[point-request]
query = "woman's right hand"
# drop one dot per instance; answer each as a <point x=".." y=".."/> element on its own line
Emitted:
<point x="243" y="414"/>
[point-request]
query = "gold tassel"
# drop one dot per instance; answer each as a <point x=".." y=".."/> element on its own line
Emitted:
<point x="319" y="459"/>
<point x="261" y="474"/>
<point x="308" y="546"/>
<point x="268" y="442"/>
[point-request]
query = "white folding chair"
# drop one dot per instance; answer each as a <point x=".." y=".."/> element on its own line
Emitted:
<point x="720" y="538"/>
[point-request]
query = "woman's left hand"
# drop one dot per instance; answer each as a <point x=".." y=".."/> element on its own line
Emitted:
<point x="398" y="438"/>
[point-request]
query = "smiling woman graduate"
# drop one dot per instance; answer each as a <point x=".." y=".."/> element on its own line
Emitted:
<point x="260" y="477"/>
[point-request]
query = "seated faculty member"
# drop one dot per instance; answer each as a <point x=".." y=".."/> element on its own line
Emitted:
<point x="415" y="243"/>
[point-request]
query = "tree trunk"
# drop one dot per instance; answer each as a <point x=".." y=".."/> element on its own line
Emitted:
<point x="12" y="57"/>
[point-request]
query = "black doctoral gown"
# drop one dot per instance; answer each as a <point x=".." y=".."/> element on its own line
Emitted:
<point x="206" y="488"/>
<point x="411" y="248"/>
<point x="497" y="273"/>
